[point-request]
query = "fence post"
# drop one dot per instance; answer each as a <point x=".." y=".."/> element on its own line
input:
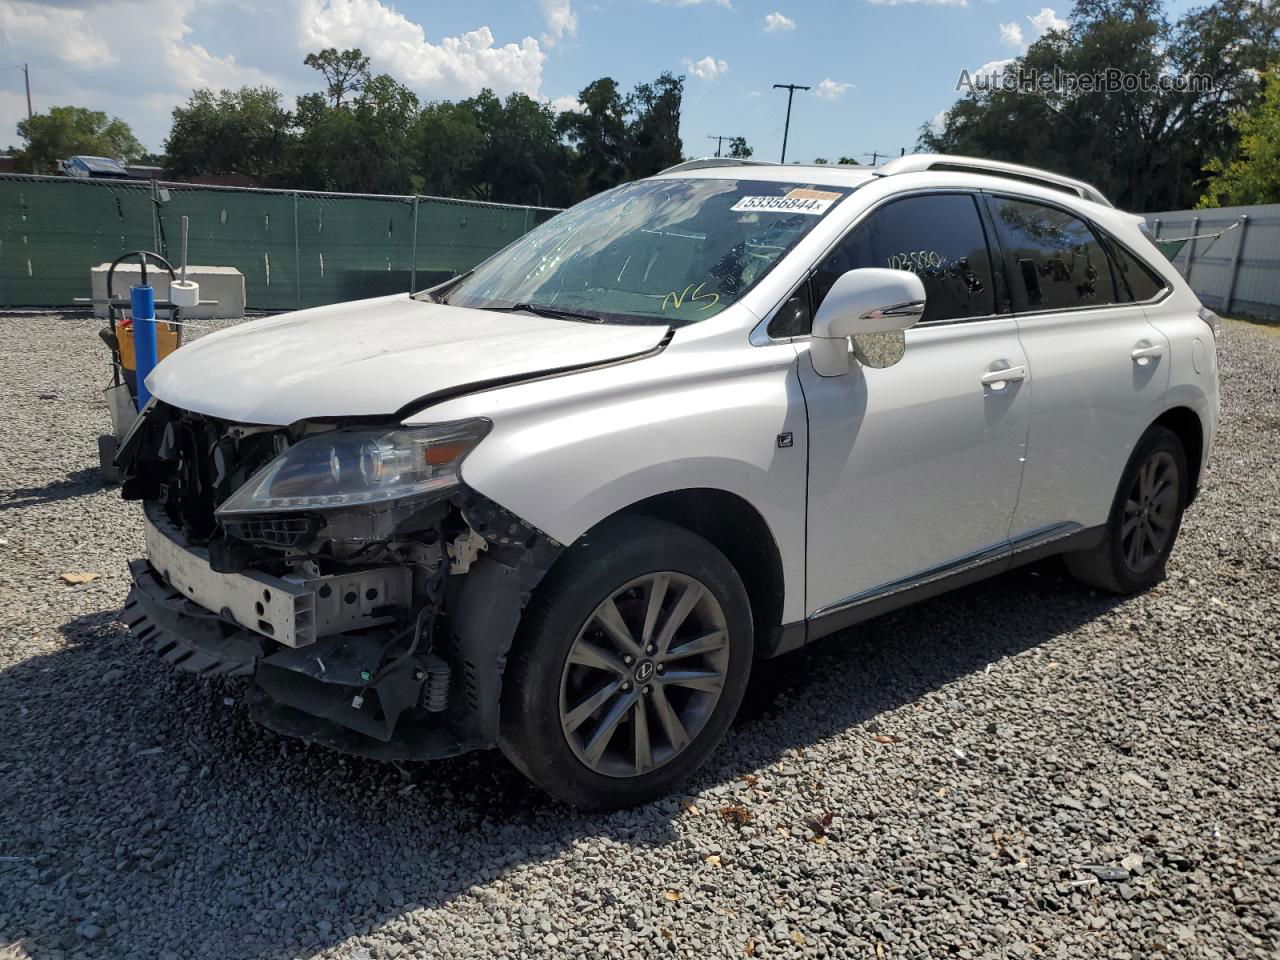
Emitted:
<point x="297" y="254"/>
<point x="155" y="217"/>
<point x="413" y="266"/>
<point x="1156" y="231"/>
<point x="1235" y="264"/>
<point x="1191" y="249"/>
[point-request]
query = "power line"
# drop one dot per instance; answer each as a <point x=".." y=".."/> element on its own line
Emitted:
<point x="791" y="89"/>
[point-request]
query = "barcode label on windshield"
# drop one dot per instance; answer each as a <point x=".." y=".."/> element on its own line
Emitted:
<point x="812" y="202"/>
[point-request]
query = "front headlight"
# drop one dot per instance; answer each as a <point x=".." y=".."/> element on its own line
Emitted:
<point x="347" y="468"/>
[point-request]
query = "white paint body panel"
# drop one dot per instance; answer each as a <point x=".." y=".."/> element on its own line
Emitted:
<point x="566" y="453"/>
<point x="1090" y="403"/>
<point x="916" y="464"/>
<point x="374" y="357"/>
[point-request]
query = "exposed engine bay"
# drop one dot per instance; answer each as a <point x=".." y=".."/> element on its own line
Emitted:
<point x="373" y="622"/>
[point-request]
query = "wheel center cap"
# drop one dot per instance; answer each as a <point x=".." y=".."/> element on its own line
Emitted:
<point x="644" y="671"/>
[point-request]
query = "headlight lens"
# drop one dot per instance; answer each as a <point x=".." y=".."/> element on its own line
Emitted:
<point x="346" y="468"/>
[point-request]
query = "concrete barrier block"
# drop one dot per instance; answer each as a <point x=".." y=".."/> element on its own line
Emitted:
<point x="223" y="284"/>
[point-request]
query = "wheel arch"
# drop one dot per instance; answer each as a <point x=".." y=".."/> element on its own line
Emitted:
<point x="738" y="530"/>
<point x="1188" y="428"/>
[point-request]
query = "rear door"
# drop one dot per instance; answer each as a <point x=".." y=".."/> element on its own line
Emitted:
<point x="1098" y="369"/>
<point x="914" y="467"/>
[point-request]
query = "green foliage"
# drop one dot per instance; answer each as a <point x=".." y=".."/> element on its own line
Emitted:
<point x="368" y="133"/>
<point x="245" y="131"/>
<point x="1146" y="149"/>
<point x="70" y="131"/>
<point x="1253" y="176"/>
<point x="738" y="148"/>
<point x="344" y="73"/>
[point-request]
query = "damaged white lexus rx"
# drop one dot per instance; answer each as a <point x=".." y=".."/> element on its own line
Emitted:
<point x="562" y="503"/>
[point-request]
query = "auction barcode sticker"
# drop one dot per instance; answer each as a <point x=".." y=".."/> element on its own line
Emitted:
<point x="812" y="202"/>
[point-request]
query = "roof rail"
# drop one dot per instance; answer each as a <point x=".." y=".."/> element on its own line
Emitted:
<point x="703" y="162"/>
<point x="919" y="162"/>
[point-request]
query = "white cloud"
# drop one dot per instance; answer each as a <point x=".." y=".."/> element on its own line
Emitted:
<point x="561" y="21"/>
<point x="831" y="90"/>
<point x="56" y="32"/>
<point x="931" y="3"/>
<point x="75" y="51"/>
<point x="776" y="22"/>
<point x="993" y="66"/>
<point x="692" y="3"/>
<point x="1011" y="33"/>
<point x="939" y="121"/>
<point x="1047" y="20"/>
<point x="708" y="68"/>
<point x="567" y="102"/>
<point x="456" y="66"/>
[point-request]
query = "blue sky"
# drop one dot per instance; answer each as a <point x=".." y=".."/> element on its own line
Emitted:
<point x="879" y="68"/>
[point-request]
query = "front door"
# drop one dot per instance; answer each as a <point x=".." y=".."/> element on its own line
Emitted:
<point x="914" y="468"/>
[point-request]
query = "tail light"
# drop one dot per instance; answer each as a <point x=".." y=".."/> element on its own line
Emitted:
<point x="1212" y="319"/>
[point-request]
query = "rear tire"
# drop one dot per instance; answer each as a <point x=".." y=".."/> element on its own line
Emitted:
<point x="630" y="664"/>
<point x="1144" y="521"/>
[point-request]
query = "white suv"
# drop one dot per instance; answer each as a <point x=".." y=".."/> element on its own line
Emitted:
<point x="562" y="503"/>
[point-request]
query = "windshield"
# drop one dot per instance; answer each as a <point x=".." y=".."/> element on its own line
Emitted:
<point x="669" y="252"/>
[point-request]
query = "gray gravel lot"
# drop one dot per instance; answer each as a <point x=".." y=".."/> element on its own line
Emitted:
<point x="1020" y="769"/>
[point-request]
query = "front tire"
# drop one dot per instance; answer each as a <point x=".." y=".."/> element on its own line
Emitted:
<point x="630" y="664"/>
<point x="1144" y="521"/>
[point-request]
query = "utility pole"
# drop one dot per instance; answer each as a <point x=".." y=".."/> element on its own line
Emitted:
<point x="719" y="141"/>
<point x="26" y="73"/>
<point x="791" y="89"/>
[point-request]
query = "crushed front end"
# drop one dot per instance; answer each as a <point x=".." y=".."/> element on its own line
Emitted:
<point x="371" y="597"/>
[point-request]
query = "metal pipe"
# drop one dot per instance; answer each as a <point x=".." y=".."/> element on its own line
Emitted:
<point x="186" y="225"/>
<point x="1235" y="265"/>
<point x="142" y="302"/>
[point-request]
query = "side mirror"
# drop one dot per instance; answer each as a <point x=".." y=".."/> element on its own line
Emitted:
<point x="866" y="300"/>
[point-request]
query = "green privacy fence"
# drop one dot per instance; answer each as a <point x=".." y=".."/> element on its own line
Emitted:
<point x="295" y="248"/>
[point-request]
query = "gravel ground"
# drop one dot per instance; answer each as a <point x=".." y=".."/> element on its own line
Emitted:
<point x="1021" y="769"/>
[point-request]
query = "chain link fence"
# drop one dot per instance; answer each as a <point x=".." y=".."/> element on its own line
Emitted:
<point x="295" y="248"/>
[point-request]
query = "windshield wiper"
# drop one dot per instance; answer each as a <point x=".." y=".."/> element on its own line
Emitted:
<point x="554" y="313"/>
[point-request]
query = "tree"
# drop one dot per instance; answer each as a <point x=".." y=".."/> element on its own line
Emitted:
<point x="738" y="148"/>
<point x="653" y="134"/>
<point x="448" y="141"/>
<point x="245" y="131"/>
<point x="344" y="73"/>
<point x="848" y="161"/>
<point x="1146" y="148"/>
<point x="366" y="146"/>
<point x="1253" y="176"/>
<point x="69" y="131"/>
<point x="821" y="161"/>
<point x="599" y="133"/>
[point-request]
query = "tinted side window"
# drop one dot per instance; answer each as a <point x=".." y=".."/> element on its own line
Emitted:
<point x="1054" y="260"/>
<point x="938" y="237"/>
<point x="1135" y="275"/>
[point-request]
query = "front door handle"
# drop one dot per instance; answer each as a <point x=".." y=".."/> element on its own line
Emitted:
<point x="996" y="379"/>
<point x="1143" y="355"/>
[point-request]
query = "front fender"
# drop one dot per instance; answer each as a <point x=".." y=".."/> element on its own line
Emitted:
<point x="566" y="453"/>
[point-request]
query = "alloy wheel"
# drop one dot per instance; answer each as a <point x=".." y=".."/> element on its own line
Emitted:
<point x="1150" y="513"/>
<point x="644" y="674"/>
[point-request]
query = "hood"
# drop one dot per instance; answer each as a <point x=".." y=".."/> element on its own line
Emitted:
<point x="376" y="357"/>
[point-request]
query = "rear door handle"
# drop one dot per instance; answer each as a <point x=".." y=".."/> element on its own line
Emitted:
<point x="996" y="379"/>
<point x="1144" y="355"/>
